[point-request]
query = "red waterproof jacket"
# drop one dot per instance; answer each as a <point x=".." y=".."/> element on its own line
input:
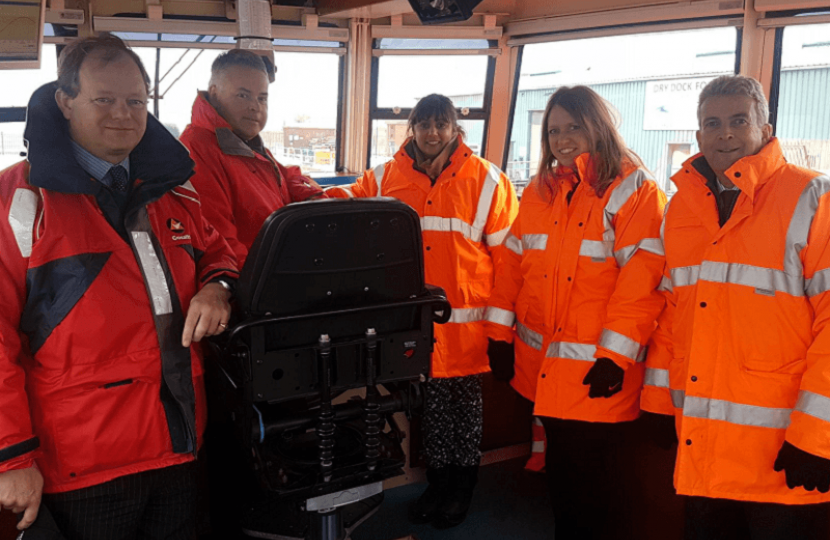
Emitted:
<point x="465" y="217"/>
<point x="92" y="309"/>
<point x="240" y="188"/>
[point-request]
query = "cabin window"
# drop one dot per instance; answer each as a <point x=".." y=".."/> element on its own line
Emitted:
<point x="802" y="115"/>
<point x="652" y="80"/>
<point x="405" y="70"/>
<point x="18" y="86"/>
<point x="303" y="102"/>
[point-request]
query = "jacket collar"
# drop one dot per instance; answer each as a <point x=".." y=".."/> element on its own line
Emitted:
<point x="457" y="159"/>
<point x="204" y="115"/>
<point x="749" y="173"/>
<point x="159" y="161"/>
<point x="585" y="168"/>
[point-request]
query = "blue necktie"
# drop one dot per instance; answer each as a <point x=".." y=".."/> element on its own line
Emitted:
<point x="119" y="178"/>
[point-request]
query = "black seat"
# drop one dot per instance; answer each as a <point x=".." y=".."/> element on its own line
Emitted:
<point x="332" y="298"/>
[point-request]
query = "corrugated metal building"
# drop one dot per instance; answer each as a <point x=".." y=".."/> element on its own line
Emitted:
<point x="804" y="113"/>
<point x="804" y="106"/>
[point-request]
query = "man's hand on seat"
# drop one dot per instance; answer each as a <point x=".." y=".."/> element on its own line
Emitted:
<point x="20" y="492"/>
<point x="208" y="313"/>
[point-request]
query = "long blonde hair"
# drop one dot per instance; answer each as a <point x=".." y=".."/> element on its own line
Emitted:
<point x="608" y="150"/>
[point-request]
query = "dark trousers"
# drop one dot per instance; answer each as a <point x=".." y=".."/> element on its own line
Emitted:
<point x="453" y="421"/>
<point x="584" y="472"/>
<point x="716" y="519"/>
<point x="155" y="504"/>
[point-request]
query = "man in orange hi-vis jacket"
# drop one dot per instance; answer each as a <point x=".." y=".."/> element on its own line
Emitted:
<point x="747" y="359"/>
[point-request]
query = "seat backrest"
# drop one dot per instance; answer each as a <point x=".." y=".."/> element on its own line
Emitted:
<point x="329" y="255"/>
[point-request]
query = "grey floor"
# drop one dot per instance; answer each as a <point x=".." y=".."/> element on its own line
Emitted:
<point x="509" y="503"/>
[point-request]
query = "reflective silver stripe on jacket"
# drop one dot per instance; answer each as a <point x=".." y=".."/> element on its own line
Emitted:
<point x="534" y="241"/>
<point x="466" y="315"/>
<point x="154" y="273"/>
<point x="802" y="219"/>
<point x="814" y="404"/>
<point x="440" y="224"/>
<point x="22" y="214"/>
<point x="819" y="283"/>
<point x="652" y="245"/>
<point x="621" y="194"/>
<point x="572" y="351"/>
<point x="596" y="249"/>
<point x="529" y="337"/>
<point x="665" y="285"/>
<point x="770" y="280"/>
<point x="513" y="244"/>
<point x="656" y="377"/>
<point x="496" y="238"/>
<point x="379" y="171"/>
<point x="684" y="276"/>
<point x="620" y="344"/>
<point x="763" y="280"/>
<point x="677" y="398"/>
<point x="500" y="316"/>
<point x="474" y="232"/>
<point x="666" y="282"/>
<point x="485" y="200"/>
<point x="736" y="413"/>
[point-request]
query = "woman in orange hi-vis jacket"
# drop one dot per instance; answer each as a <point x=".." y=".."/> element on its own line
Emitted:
<point x="584" y="261"/>
<point x="466" y="205"/>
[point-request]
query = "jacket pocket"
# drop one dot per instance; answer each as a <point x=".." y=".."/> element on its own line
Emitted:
<point x="108" y="425"/>
<point x="767" y="366"/>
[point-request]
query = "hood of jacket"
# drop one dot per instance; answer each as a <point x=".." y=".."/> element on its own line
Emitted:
<point x="159" y="161"/>
<point x="205" y="116"/>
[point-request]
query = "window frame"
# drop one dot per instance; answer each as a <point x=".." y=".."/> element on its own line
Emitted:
<point x="341" y="69"/>
<point x="607" y="31"/>
<point x="781" y="20"/>
<point x="386" y="113"/>
<point x="18" y="114"/>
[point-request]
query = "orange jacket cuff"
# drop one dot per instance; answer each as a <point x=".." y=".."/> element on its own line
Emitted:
<point x="622" y="361"/>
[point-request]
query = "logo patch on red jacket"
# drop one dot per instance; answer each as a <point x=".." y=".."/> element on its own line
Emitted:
<point x="175" y="225"/>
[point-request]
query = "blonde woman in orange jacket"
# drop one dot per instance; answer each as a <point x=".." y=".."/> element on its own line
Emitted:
<point x="466" y="205"/>
<point x="584" y="261"/>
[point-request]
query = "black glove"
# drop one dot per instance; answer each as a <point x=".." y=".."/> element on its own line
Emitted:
<point x="605" y="378"/>
<point x="803" y="469"/>
<point x="658" y="429"/>
<point x="502" y="358"/>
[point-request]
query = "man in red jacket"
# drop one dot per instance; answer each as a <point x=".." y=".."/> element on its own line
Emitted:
<point x="109" y="274"/>
<point x="237" y="177"/>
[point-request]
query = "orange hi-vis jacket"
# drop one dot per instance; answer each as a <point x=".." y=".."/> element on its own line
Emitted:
<point x="749" y="307"/>
<point x="581" y="279"/>
<point x="465" y="218"/>
<point x="657" y="396"/>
